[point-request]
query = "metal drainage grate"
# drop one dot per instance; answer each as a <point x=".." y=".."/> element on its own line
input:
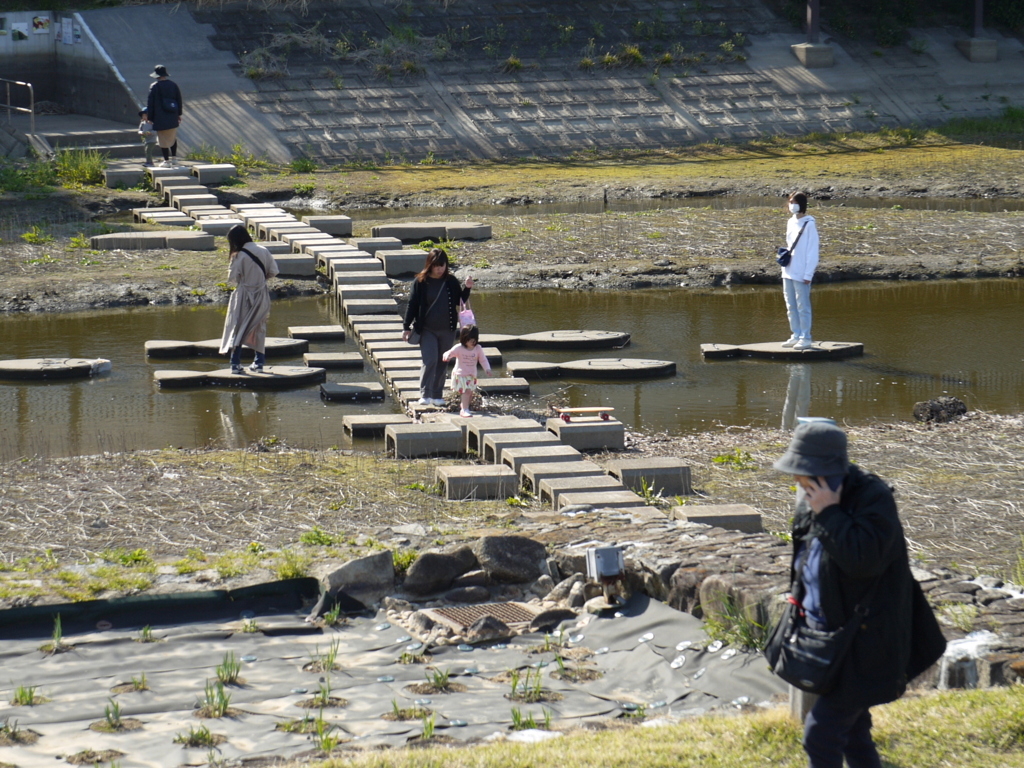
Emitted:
<point x="462" y="617"/>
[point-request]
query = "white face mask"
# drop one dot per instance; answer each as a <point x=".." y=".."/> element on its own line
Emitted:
<point x="794" y="208"/>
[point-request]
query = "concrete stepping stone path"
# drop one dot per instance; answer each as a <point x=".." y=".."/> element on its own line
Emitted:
<point x="590" y="433"/>
<point x="371" y="426"/>
<point x="53" y="368"/>
<point x="272" y="377"/>
<point x="822" y="350"/>
<point x="276" y="346"/>
<point x="664" y="475"/>
<point x="562" y="339"/>
<point x="352" y="391"/>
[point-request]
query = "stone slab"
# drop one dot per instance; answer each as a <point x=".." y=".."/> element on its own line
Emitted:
<point x="574" y="339"/>
<point x="166" y="182"/>
<point x="184" y="190"/>
<point x="467" y="230"/>
<point x="364" y="321"/>
<point x="170" y="220"/>
<point x="272" y="377"/>
<point x="317" y="332"/>
<point x="411" y="231"/>
<point x="503" y="385"/>
<point x="347" y="291"/>
<point x="814" y="55"/>
<point x="123" y="177"/>
<point x="733" y="517"/>
<point x="182" y="203"/>
<point x="473" y="482"/>
<point x="398" y="263"/>
<point x="373" y="244"/>
<point x="219" y="226"/>
<point x="369" y="306"/>
<point x="334" y="361"/>
<point x="352" y="391"/>
<point x="253" y="207"/>
<point x="415" y="440"/>
<point x="602" y="500"/>
<point x="822" y="350"/>
<point x="338" y="225"/>
<point x="202" y="203"/>
<point x="295" y="265"/>
<point x="548" y="453"/>
<point x="372" y="426"/>
<point x="275" y="247"/>
<point x="190" y="241"/>
<point x="51" y="368"/>
<point x="531" y="369"/>
<point x="494" y="444"/>
<point x="363" y="277"/>
<point x="214" y="173"/>
<point x="278" y="231"/>
<point x="979" y="50"/>
<point x="617" y="368"/>
<point x="590" y="434"/>
<point x="479" y="428"/>
<point x="276" y="346"/>
<point x="142" y="241"/>
<point x="552" y="488"/>
<point x="532" y="474"/>
<point x="665" y="475"/>
<point x="337" y="267"/>
<point x="139" y="213"/>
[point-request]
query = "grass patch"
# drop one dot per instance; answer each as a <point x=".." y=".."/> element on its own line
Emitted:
<point x="80" y="167"/>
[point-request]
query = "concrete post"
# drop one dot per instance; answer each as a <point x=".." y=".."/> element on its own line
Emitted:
<point x="813" y="54"/>
<point x="979" y="13"/>
<point x="800" y="703"/>
<point x="814" y="21"/>
<point x="978" y="49"/>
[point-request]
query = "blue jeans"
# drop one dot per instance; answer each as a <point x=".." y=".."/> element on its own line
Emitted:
<point x="832" y="732"/>
<point x="798" y="307"/>
<point x="236" y="357"/>
<point x="433" y="344"/>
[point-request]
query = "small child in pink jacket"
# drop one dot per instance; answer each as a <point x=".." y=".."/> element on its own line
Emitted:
<point x="467" y="354"/>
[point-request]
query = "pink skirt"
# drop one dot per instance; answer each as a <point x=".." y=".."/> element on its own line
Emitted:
<point x="463" y="384"/>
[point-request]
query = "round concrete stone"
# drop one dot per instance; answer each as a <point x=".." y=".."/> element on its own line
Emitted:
<point x="168" y="348"/>
<point x="272" y="377"/>
<point x="773" y="350"/>
<point x="180" y="379"/>
<point x="618" y="368"/>
<point x="276" y="346"/>
<point x="575" y="340"/>
<point x="534" y="370"/>
<point x="499" y="340"/>
<point x="41" y="368"/>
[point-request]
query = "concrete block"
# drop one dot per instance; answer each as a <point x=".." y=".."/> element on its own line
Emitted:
<point x="123" y="177"/>
<point x="276" y="231"/>
<point x="139" y="213"/>
<point x="502" y="385"/>
<point x="275" y="247"/>
<point x="253" y="207"/>
<point x="602" y="500"/>
<point x="412" y="231"/>
<point x="317" y="332"/>
<point x="166" y="182"/>
<point x="531" y="474"/>
<point x="467" y="230"/>
<point x="332" y="225"/>
<point x="364" y="322"/>
<point x="253" y="219"/>
<point x="356" y="262"/>
<point x="334" y="361"/>
<point x="156" y="173"/>
<point x="475" y="482"/>
<point x="494" y="444"/>
<point x="405" y="262"/>
<point x="330" y="248"/>
<point x="176" y="219"/>
<point x="814" y="55"/>
<point x="552" y="488"/>
<point x="733" y="517"/>
<point x="664" y="475"/>
<point x="170" y="193"/>
<point x="214" y="173"/>
<point x="353" y="391"/>
<point x="369" y="306"/>
<point x="295" y="265"/>
<point x="363" y="277"/>
<point x="979" y="50"/>
<point x="371" y="426"/>
<point x="413" y="440"/>
<point x="555" y="452"/>
<point x="373" y="244"/>
<point x="190" y="241"/>
<point x="182" y="203"/>
<point x="481" y="427"/>
<point x="218" y="226"/>
<point x="129" y="241"/>
<point x="299" y="239"/>
<point x="362" y="291"/>
<point x="590" y="434"/>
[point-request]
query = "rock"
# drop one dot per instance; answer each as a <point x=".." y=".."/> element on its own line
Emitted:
<point x="1015" y="604"/>
<point x="684" y="590"/>
<point x="561" y="589"/>
<point x="542" y="586"/>
<point x="396" y="604"/>
<point x="510" y="559"/>
<point x="421" y="624"/>
<point x="939" y="410"/>
<point x="366" y="579"/>
<point x="988" y="596"/>
<point x="575" y="509"/>
<point x="488" y="628"/>
<point x="967" y="587"/>
<point x="548" y="620"/>
<point x="432" y="572"/>
<point x="728" y="596"/>
<point x="412" y="529"/>
<point x="472" y="579"/>
<point x="576" y="597"/>
<point x="989" y="582"/>
<point x="570" y="562"/>
<point x="468" y="595"/>
<point x="464" y="555"/>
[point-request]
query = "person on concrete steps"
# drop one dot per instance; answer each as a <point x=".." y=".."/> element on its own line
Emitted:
<point x="148" y="136"/>
<point x="164" y="109"/>
<point x="802" y="231"/>
<point x="251" y="266"/>
<point x="467" y="354"/>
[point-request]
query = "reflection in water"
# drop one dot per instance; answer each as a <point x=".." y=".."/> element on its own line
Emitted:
<point x="921" y="340"/>
<point x="798" y="395"/>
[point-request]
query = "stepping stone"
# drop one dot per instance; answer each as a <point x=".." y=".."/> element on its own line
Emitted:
<point x="337" y="248"/>
<point x="295" y="265"/>
<point x="166" y="182"/>
<point x="414" y="231"/>
<point x="138" y="214"/>
<point x="346" y="291"/>
<point x="253" y="207"/>
<point x="338" y="267"/>
<point x="373" y="244"/>
<point x="147" y="241"/>
<point x="408" y="441"/>
<point x="360" y="330"/>
<point x="363" y="277"/>
<point x="602" y="500"/>
<point x="732" y="517"/>
<point x="368" y="320"/>
<point x="472" y="482"/>
<point x="406" y="352"/>
<point x="503" y="385"/>
<point x="334" y="361"/>
<point x="533" y="474"/>
<point x="489" y="425"/>
<point x="517" y="457"/>
<point x="278" y="231"/>
<point x="404" y="262"/>
<point x="590" y="433"/>
<point x="275" y="347"/>
<point x="218" y="226"/>
<point x="190" y="241"/>
<point x="272" y="377"/>
<point x="574" y="340"/>
<point x="500" y="340"/>
<point x="667" y="476"/>
<point x="467" y="230"/>
<point x="170" y="220"/>
<point x="182" y="203"/>
<point x="214" y="173"/>
<point x="552" y="488"/>
<point x="157" y="173"/>
<point x="254" y="219"/>
<point x="822" y="350"/>
<point x="122" y="177"/>
<point x="317" y="332"/>
<point x="399" y="369"/>
<point x="183" y="190"/>
<point x="332" y="225"/>
<point x="369" y="306"/>
<point x="275" y="247"/>
<point x="617" y="368"/>
<point x="378" y="348"/>
<point x="180" y="379"/>
<point x="50" y="368"/>
<point x="297" y="240"/>
<point x="371" y="426"/>
<point x="393" y="335"/>
<point x="351" y="391"/>
<point x="197" y="205"/>
<point x="495" y="443"/>
<point x="532" y="370"/>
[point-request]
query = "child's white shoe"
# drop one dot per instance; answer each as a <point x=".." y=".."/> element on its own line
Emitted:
<point x="465" y="414"/>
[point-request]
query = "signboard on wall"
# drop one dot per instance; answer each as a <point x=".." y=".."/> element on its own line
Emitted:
<point x="41" y="25"/>
<point x="67" y="32"/>
<point x="19" y="30"/>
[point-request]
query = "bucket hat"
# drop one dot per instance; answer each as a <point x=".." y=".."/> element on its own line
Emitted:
<point x="818" y="449"/>
<point x="159" y="71"/>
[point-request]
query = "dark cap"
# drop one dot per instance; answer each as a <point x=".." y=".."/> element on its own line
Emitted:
<point x="159" y="71"/>
<point x="142" y="112"/>
<point x="818" y="449"/>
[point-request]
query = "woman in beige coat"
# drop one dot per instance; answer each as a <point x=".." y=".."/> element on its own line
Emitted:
<point x="251" y="267"/>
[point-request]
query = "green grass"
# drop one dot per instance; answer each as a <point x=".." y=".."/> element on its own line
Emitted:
<point x="80" y="167"/>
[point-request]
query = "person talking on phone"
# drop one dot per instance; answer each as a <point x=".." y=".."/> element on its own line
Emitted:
<point x="850" y="551"/>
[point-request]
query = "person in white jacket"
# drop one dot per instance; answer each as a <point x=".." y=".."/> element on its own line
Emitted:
<point x="797" y="275"/>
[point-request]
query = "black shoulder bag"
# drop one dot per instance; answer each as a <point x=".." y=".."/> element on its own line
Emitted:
<point x="785" y="255"/>
<point x="258" y="262"/>
<point x="810" y="659"/>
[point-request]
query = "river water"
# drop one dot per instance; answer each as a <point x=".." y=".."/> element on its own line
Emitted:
<point x="964" y="338"/>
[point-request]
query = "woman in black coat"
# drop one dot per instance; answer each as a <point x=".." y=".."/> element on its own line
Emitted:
<point x="849" y="548"/>
<point x="164" y="109"/>
<point x="433" y="313"/>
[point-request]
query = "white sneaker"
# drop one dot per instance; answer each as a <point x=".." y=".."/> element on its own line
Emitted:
<point x="792" y="341"/>
<point x="804" y="344"/>
<point x="439" y="402"/>
<point x="424" y="401"/>
<point x="166" y="164"/>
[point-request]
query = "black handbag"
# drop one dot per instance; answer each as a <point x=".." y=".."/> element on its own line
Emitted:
<point x="810" y="659"/>
<point x="785" y="255"/>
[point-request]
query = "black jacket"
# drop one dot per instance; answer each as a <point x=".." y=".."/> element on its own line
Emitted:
<point x="862" y="540"/>
<point x="164" y="107"/>
<point x="418" y="306"/>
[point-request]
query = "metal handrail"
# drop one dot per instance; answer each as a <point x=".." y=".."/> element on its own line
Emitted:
<point x="31" y="101"/>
